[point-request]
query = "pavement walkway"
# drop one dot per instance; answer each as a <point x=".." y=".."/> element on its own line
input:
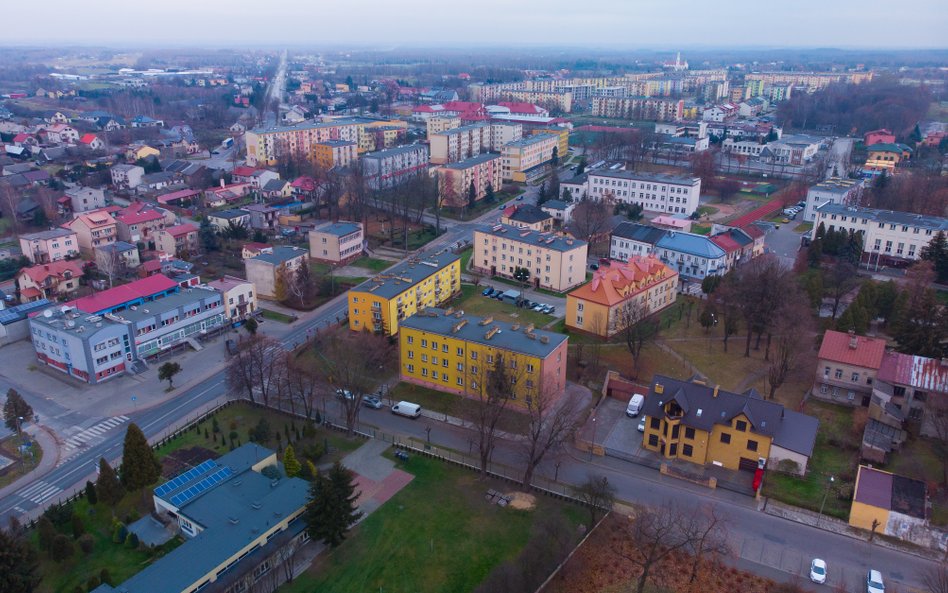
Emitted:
<point x="47" y="442"/>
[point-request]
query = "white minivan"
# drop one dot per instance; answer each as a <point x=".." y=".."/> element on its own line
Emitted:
<point x="407" y="409"/>
<point x="635" y="405"/>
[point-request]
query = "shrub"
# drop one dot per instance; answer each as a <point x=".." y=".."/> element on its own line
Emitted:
<point x="59" y="514"/>
<point x="78" y="528"/>
<point x="788" y="466"/>
<point x="131" y="541"/>
<point x="119" y="533"/>
<point x="62" y="548"/>
<point x="105" y="577"/>
<point x="86" y="543"/>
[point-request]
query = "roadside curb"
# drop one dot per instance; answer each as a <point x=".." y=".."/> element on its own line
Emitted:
<point x="40" y="470"/>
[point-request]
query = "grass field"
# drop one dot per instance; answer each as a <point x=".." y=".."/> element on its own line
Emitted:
<point x="276" y="316"/>
<point x="370" y="263"/>
<point x="471" y="301"/>
<point x="803" y="227"/>
<point x="466" y="258"/>
<point x="18" y="468"/>
<point x="455" y="405"/>
<point x="438" y="534"/>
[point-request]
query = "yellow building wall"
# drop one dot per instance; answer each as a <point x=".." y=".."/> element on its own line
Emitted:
<point x="562" y="147"/>
<point x="861" y="515"/>
<point x="595" y="316"/>
<point x="729" y="454"/>
<point x="706" y="448"/>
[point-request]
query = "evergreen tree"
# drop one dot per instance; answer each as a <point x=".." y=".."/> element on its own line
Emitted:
<point x="291" y="466"/>
<point x="19" y="564"/>
<point x="489" y="193"/>
<point x="14" y="409"/>
<point x="937" y="252"/>
<point x="78" y="527"/>
<point x="140" y="467"/>
<point x="471" y="195"/>
<point x="555" y="157"/>
<point x="331" y="510"/>
<point x="62" y="548"/>
<point x="581" y="167"/>
<point x="108" y="487"/>
<point x="91" y="495"/>
<point x="46" y="532"/>
<point x="209" y="239"/>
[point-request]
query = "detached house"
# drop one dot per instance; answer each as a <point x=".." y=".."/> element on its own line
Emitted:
<point x="93" y="229"/>
<point x="846" y="368"/>
<point x="262" y="217"/>
<point x="55" y="280"/>
<point x="240" y="297"/>
<point x="140" y="221"/>
<point x="85" y="199"/>
<point x="48" y="246"/>
<point x="92" y="142"/>
<point x="127" y="176"/>
<point x="695" y="422"/>
<point x="178" y="240"/>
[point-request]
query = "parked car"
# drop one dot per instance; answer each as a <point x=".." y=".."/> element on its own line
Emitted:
<point x="371" y="401"/>
<point x="407" y="409"/>
<point x="547" y="309"/>
<point x="802" y="203"/>
<point x="874" y="582"/>
<point x="641" y="426"/>
<point x="344" y="394"/>
<point x="818" y="571"/>
<point x="537" y="306"/>
<point x="604" y="261"/>
<point x="487" y="291"/>
<point x="519" y="198"/>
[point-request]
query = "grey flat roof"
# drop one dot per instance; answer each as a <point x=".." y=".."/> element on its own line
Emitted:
<point x="393" y="283"/>
<point x="50" y="234"/>
<point x="474" y="160"/>
<point x="461" y="129"/>
<point x="165" y="304"/>
<point x="639" y="232"/>
<point x="787" y="429"/>
<point x="381" y="154"/>
<point x="837" y="185"/>
<point x="434" y="321"/>
<point x="281" y="255"/>
<point x="545" y="240"/>
<point x="887" y="216"/>
<point x="227" y="214"/>
<point x="340" y="229"/>
<point x="657" y="177"/>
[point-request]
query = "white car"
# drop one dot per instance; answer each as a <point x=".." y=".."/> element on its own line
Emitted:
<point x="818" y="571"/>
<point x="642" y="424"/>
<point x="874" y="582"/>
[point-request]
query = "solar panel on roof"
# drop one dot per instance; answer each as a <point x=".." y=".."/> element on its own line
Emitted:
<point x="205" y="484"/>
<point x="184" y="478"/>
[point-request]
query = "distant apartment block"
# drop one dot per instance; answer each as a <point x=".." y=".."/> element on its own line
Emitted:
<point x="268" y="145"/>
<point x="455" y="179"/>
<point x="529" y="157"/>
<point x="390" y="168"/>
<point x="639" y="108"/>
<point x="438" y="124"/>
<point x="335" y="153"/>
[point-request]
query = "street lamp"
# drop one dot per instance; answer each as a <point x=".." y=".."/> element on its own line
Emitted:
<point x="592" y="448"/>
<point x="822" y="504"/>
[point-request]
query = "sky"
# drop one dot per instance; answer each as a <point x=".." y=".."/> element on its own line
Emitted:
<point x="601" y="23"/>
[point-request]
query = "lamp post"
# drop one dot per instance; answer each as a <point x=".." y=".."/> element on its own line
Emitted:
<point x="822" y="504"/>
<point x="593" y="438"/>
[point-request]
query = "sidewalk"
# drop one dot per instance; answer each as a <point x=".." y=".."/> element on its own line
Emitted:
<point x="47" y="442"/>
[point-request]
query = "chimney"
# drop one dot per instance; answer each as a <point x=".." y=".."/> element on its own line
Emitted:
<point x="716" y="387"/>
<point x="853" y="340"/>
<point x="659" y="388"/>
<point x="222" y="183"/>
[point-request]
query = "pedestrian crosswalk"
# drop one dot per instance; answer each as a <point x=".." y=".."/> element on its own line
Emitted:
<point x="39" y="492"/>
<point x="84" y="437"/>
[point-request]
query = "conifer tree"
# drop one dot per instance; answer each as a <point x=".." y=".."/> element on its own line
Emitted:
<point x="140" y="467"/>
<point x="108" y="487"/>
<point x="291" y="465"/>
<point x="331" y="509"/>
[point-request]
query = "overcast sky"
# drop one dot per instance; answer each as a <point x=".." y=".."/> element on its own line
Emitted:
<point x="632" y="23"/>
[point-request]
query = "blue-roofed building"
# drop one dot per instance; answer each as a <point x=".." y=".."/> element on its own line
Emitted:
<point x="692" y="256"/>
<point x="237" y="522"/>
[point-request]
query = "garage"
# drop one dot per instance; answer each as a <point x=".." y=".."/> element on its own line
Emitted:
<point x="748" y="465"/>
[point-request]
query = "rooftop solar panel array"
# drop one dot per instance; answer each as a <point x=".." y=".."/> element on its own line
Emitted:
<point x="207" y="483"/>
<point x="184" y="478"/>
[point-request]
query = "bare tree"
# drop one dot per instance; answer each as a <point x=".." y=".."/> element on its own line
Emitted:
<point x="598" y="495"/>
<point x="839" y="280"/>
<point x="108" y="262"/>
<point x="494" y="390"/>
<point x="590" y="219"/>
<point x="553" y="418"/>
<point x="935" y="422"/>
<point x="792" y="330"/>
<point x="708" y="536"/>
<point x="256" y="368"/>
<point x="350" y="364"/>
<point x="636" y="328"/>
<point x="657" y="532"/>
<point x="301" y="385"/>
<point x="936" y="579"/>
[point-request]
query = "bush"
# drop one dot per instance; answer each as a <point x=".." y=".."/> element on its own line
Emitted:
<point x="62" y="548"/>
<point x="86" y="543"/>
<point x="788" y="466"/>
<point x="78" y="528"/>
<point x="131" y="542"/>
<point x="119" y="533"/>
<point x="105" y="577"/>
<point x="60" y="514"/>
<point x="314" y="452"/>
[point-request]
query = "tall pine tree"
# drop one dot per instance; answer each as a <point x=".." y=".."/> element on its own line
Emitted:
<point x="108" y="487"/>
<point x="14" y="409"/>
<point x="937" y="252"/>
<point x="331" y="509"/>
<point x="291" y="465"/>
<point x="19" y="564"/>
<point x="140" y="467"/>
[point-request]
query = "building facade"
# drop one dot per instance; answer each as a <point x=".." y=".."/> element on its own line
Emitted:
<point x="455" y="179"/>
<point x="53" y="281"/>
<point x="528" y="157"/>
<point x="554" y="262"/>
<point x="337" y="242"/>
<point x="48" y="246"/>
<point x="379" y="305"/>
<point x="93" y="229"/>
<point x="639" y="108"/>
<point x="835" y="190"/>
<point x="266" y="270"/>
<point x="390" y="168"/>
<point x="654" y="192"/>
<point x="268" y="146"/>
<point x="179" y="240"/>
<point x="456" y="353"/>
<point x="846" y="368"/>
<point x="621" y="294"/>
<point x="335" y="153"/>
<point x="238" y="295"/>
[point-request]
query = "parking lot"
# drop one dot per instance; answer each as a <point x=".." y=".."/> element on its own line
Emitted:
<point x="505" y="308"/>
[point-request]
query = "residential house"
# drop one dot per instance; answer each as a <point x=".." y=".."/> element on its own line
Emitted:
<point x="60" y="134"/>
<point x="215" y="197"/>
<point x="92" y="142"/>
<point x="886" y="157"/>
<point x="889" y="504"/>
<point x="57" y="280"/>
<point x="256" y="178"/>
<point x="140" y="221"/>
<point x="881" y="136"/>
<point x="304" y="188"/>
<point x="117" y="257"/>
<point x="560" y="210"/>
<point x="337" y="242"/>
<point x="216" y="508"/>
<point x="527" y="216"/>
<point x="224" y="219"/>
<point x="553" y="262"/>
<point x="276" y="189"/>
<point x="846" y="368"/>
<point x="180" y="240"/>
<point x="49" y="246"/>
<point x="184" y="198"/>
<point x="888" y="238"/>
<point x="381" y="303"/>
<point x="127" y="176"/>
<point x="254" y="249"/>
<point x="262" y="217"/>
<point x="482" y="172"/>
<point x="705" y="425"/>
<point x="454" y="352"/>
<point x="93" y="229"/>
<point x="240" y="297"/>
<point x="694" y="257"/>
<point x="138" y="151"/>
<point x="84" y="199"/>
<point x="620" y="294"/>
<point x="156" y="181"/>
<point x="265" y="269"/>
<point x="143" y="121"/>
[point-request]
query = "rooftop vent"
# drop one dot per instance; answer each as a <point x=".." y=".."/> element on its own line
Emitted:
<point x="256" y="505"/>
<point x="698" y="413"/>
<point x="233" y="520"/>
<point x="544" y="339"/>
<point x="486" y="320"/>
<point x="457" y="326"/>
<point x="491" y="332"/>
<point x="659" y="388"/>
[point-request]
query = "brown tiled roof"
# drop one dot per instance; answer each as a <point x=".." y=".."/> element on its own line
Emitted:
<point x="837" y="347"/>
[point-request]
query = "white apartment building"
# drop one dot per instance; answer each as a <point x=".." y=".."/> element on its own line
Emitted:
<point x="388" y="168"/>
<point x="888" y="238"/>
<point x="84" y="199"/>
<point x="654" y="191"/>
<point x="527" y="157"/>
<point x="835" y="190"/>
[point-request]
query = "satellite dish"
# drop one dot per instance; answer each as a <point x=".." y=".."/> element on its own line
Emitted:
<point x="47" y="313"/>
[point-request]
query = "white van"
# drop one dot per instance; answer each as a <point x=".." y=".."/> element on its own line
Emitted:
<point x="407" y="409"/>
<point x="635" y="405"/>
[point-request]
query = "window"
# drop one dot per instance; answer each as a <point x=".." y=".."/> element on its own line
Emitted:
<point x="411" y="354"/>
<point x="473" y="355"/>
<point x="689" y="433"/>
<point x="460" y="382"/>
<point x="444" y="362"/>
<point x="751" y="445"/>
<point x="460" y="351"/>
<point x="434" y="345"/>
<point x="424" y="343"/>
<point x="823" y="389"/>
<point x="838" y="374"/>
<point x="444" y="347"/>
<point x="687" y="450"/>
<point x="656" y="422"/>
<point x="855" y="378"/>
<point x="653" y="440"/>
<point x="411" y="368"/>
<point x="725" y="438"/>
<point x="424" y="358"/>
<point x="741" y="426"/>
<point x="424" y="372"/>
<point x="461" y="367"/>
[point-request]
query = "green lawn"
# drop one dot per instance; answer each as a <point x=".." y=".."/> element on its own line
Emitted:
<point x="241" y="418"/>
<point x="455" y="405"/>
<point x="276" y="316"/>
<point x="471" y="301"/>
<point x="803" y="227"/>
<point x="416" y="239"/>
<point x="466" y="258"/>
<point x="438" y="534"/>
<point x="701" y="229"/>
<point x="370" y="263"/>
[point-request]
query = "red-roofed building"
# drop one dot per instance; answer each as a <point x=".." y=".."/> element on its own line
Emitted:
<point x="149" y="268"/>
<point x="55" y="280"/>
<point x="643" y="286"/>
<point x="140" y="221"/>
<point x="255" y="249"/>
<point x="92" y="141"/>
<point x="182" y="198"/>
<point x="881" y="136"/>
<point x="180" y="240"/>
<point x="304" y="187"/>
<point x="122" y="297"/>
<point x="904" y="386"/>
<point x="93" y="229"/>
<point x="24" y="139"/>
<point x="848" y="365"/>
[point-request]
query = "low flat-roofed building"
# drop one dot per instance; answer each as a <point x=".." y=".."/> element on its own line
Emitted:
<point x="337" y="242"/>
<point x="264" y="269"/>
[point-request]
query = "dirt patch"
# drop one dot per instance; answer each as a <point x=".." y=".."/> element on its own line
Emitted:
<point x="184" y="459"/>
<point x="522" y="501"/>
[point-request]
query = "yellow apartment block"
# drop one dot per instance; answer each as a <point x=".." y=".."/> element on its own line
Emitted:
<point x="707" y="425"/>
<point x="266" y="146"/>
<point x="379" y="305"/>
<point x="449" y="351"/>
<point x="335" y="153"/>
<point x="562" y="146"/>
<point x="436" y="125"/>
<point x="528" y="157"/>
